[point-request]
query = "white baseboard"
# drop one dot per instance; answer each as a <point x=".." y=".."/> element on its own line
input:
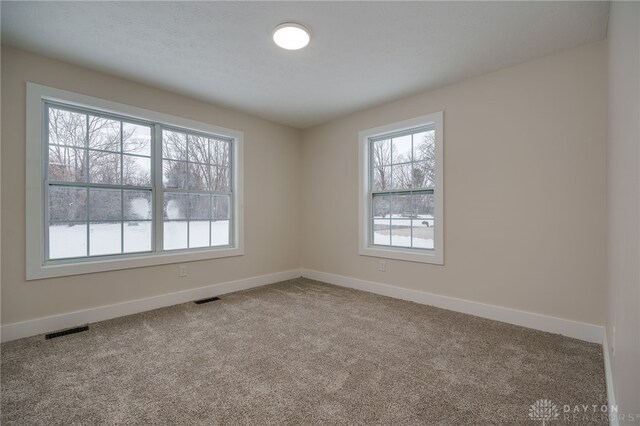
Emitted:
<point x="583" y="331"/>
<point x="611" y="397"/>
<point x="72" y="319"/>
<point x="578" y="330"/>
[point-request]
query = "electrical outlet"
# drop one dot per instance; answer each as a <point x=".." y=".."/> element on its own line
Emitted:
<point x="382" y="266"/>
<point x="183" y="270"/>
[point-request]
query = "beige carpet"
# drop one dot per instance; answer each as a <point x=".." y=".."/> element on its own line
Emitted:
<point x="298" y="352"/>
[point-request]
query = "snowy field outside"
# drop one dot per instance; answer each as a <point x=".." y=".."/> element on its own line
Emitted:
<point x="66" y="241"/>
<point x="401" y="231"/>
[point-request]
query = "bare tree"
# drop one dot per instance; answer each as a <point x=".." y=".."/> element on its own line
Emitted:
<point x="381" y="157"/>
<point x="425" y="170"/>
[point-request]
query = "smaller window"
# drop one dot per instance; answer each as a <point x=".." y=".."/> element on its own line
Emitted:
<point x="401" y="190"/>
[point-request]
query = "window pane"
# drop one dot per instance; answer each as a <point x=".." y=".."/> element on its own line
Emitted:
<point x="198" y="177"/>
<point x="67" y="240"/>
<point x="67" y="128"/>
<point x="199" y="207"/>
<point x="401" y="232"/>
<point x="382" y="231"/>
<point x="424" y="145"/>
<point x="136" y="139"/>
<point x="423" y="237"/>
<point x="104" y="134"/>
<point x="381" y="153"/>
<point x="423" y="205"/>
<point x="220" y="207"/>
<point x="382" y="178"/>
<point x="220" y="151"/>
<point x="402" y="176"/>
<point x="175" y="206"/>
<point x="137" y="170"/>
<point x="67" y="203"/>
<point x="220" y="233"/>
<point x="137" y="205"/>
<point x="67" y="164"/>
<point x="401" y="149"/>
<point x="104" y="238"/>
<point x="401" y="206"/>
<point x="175" y="235"/>
<point x="424" y="223"/>
<point x="381" y="206"/>
<point x="198" y="233"/>
<point x="105" y="204"/>
<point x="137" y="236"/>
<point x="174" y="145"/>
<point x="220" y="180"/>
<point x="104" y="167"/>
<point x="424" y="175"/>
<point x="401" y="214"/>
<point x="198" y="149"/>
<point x="174" y="174"/>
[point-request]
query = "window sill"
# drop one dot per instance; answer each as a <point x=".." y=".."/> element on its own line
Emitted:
<point x="62" y="268"/>
<point x="410" y="255"/>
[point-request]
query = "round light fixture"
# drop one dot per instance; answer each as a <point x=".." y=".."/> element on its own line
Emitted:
<point x="291" y="36"/>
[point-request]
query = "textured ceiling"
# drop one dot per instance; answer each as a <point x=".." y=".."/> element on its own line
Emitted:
<point x="361" y="53"/>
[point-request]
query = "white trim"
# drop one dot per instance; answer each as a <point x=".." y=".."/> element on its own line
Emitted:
<point x="435" y="256"/>
<point x="608" y="373"/>
<point x="72" y="319"/>
<point x="577" y="330"/>
<point x="35" y="257"/>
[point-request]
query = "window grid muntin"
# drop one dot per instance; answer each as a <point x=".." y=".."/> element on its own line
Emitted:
<point x="156" y="187"/>
<point x="106" y="151"/>
<point x="429" y="190"/>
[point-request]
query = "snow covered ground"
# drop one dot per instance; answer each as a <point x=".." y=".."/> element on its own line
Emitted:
<point x="382" y="238"/>
<point x="400" y="231"/>
<point x="175" y="234"/>
<point x="399" y="220"/>
<point x="105" y="238"/>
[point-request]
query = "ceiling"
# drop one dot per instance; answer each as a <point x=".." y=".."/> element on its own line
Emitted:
<point x="361" y="53"/>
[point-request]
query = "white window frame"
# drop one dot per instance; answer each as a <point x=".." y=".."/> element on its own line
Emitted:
<point x="37" y="266"/>
<point x="366" y="247"/>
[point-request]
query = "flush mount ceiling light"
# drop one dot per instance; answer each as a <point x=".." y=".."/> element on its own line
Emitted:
<point x="291" y="36"/>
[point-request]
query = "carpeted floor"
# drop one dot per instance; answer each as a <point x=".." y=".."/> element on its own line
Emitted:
<point x="298" y="352"/>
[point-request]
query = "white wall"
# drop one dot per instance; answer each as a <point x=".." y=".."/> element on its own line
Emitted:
<point x="623" y="202"/>
<point x="524" y="189"/>
<point x="272" y="154"/>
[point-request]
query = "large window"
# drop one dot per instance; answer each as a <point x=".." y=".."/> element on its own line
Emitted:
<point x="401" y="190"/>
<point x="119" y="186"/>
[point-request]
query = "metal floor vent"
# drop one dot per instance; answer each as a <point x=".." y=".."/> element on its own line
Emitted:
<point x="73" y="330"/>
<point x="210" y="299"/>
